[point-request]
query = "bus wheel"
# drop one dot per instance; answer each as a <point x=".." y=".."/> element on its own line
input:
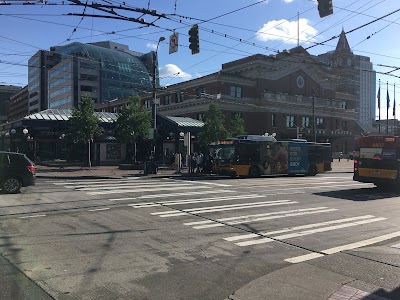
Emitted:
<point x="312" y="170"/>
<point x="254" y="171"/>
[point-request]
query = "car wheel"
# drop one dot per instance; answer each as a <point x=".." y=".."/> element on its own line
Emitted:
<point x="312" y="170"/>
<point x="11" y="185"/>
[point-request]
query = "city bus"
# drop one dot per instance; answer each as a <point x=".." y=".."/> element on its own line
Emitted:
<point x="256" y="155"/>
<point x="377" y="160"/>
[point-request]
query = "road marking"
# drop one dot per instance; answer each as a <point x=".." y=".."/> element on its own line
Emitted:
<point x="33" y="216"/>
<point x="396" y="246"/>
<point x="152" y="189"/>
<point x="222" y="206"/>
<point x="186" y="194"/>
<point x="173" y="195"/>
<point x="351" y="246"/>
<point x="308" y="232"/>
<point x="199" y="211"/>
<point x="84" y="182"/>
<point x="135" y="184"/>
<point x="257" y="215"/>
<point x="266" y="218"/>
<point x="192" y="201"/>
<point x="297" y="259"/>
<point x="200" y="182"/>
<point x="98" y="209"/>
<point x="112" y="187"/>
<point x="251" y="235"/>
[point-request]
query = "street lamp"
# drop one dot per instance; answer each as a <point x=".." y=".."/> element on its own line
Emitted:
<point x="154" y="104"/>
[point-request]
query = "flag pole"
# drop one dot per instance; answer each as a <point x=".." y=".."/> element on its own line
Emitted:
<point x="387" y="106"/>
<point x="379" y="105"/>
<point x="394" y="109"/>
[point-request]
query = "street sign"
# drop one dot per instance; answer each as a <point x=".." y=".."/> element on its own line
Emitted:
<point x="173" y="43"/>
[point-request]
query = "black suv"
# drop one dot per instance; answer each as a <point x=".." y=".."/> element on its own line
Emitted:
<point x="16" y="170"/>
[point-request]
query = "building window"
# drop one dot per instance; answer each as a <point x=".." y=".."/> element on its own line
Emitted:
<point x="167" y="99"/>
<point x="273" y="120"/>
<point x="343" y="104"/>
<point x="305" y="122"/>
<point x="88" y="77"/>
<point x="290" y="122"/>
<point x="200" y="117"/>
<point x="200" y="90"/>
<point x="320" y="123"/>
<point x="179" y="97"/>
<point x="147" y="104"/>
<point x="236" y="91"/>
<point x="88" y="88"/>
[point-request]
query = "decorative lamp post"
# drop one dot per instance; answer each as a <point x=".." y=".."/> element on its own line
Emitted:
<point x="154" y="104"/>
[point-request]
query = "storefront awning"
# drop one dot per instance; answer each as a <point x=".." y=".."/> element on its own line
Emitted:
<point x="175" y="124"/>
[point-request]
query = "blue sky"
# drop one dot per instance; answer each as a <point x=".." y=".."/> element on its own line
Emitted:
<point x="229" y="30"/>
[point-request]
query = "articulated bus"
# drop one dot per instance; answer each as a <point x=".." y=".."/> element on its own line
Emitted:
<point x="254" y="155"/>
<point x="377" y="160"/>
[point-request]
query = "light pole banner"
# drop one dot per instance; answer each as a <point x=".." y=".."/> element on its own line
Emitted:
<point x="173" y="43"/>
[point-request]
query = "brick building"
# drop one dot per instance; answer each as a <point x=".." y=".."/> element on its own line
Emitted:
<point x="279" y="94"/>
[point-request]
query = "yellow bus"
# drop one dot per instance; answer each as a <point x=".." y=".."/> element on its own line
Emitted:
<point x="256" y="155"/>
<point x="377" y="160"/>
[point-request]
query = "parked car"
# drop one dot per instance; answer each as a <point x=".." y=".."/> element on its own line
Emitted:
<point x="16" y="171"/>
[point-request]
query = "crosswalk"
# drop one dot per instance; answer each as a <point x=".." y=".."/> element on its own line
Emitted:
<point x="207" y="205"/>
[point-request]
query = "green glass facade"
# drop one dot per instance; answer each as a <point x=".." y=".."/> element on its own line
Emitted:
<point x="122" y="74"/>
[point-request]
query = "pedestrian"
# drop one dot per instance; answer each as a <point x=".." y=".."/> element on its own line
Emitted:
<point x="199" y="162"/>
<point x="193" y="162"/>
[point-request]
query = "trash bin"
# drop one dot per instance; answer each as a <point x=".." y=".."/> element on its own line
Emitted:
<point x="150" y="167"/>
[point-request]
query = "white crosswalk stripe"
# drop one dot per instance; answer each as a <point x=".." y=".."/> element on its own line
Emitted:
<point x="150" y="189"/>
<point x="192" y="201"/>
<point x="118" y="187"/>
<point x="173" y="195"/>
<point x="308" y="232"/>
<point x="252" y="235"/>
<point x="351" y="246"/>
<point x="202" y="210"/>
<point x="263" y="217"/>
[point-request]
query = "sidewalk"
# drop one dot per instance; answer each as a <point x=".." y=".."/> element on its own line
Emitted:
<point x="163" y="171"/>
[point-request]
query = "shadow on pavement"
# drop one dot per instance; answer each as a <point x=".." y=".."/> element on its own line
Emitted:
<point x="394" y="295"/>
<point x="360" y="194"/>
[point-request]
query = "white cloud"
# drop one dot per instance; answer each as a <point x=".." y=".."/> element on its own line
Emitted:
<point x="171" y="70"/>
<point x="284" y="30"/>
<point x="288" y="1"/>
<point x="152" y="46"/>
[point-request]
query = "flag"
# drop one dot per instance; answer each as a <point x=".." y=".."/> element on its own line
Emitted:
<point x="379" y="98"/>
<point x="394" y="101"/>
<point x="388" y="99"/>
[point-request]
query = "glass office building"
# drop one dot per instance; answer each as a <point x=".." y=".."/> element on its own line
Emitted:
<point x="121" y="73"/>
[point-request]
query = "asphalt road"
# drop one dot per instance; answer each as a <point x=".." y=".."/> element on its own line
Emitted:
<point x="196" y="239"/>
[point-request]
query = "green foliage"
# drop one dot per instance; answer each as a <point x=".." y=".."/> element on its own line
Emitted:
<point x="237" y="126"/>
<point x="214" y="128"/>
<point x="83" y="125"/>
<point x="133" y="121"/>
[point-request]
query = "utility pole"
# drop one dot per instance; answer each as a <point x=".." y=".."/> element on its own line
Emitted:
<point x="313" y="116"/>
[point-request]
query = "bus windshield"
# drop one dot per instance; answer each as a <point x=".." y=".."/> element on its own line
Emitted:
<point x="222" y="152"/>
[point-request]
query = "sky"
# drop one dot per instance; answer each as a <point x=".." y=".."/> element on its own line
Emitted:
<point x="228" y="30"/>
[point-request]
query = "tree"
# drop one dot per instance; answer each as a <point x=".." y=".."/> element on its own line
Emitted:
<point x="133" y="121"/>
<point x="214" y="128"/>
<point x="83" y="125"/>
<point x="237" y="126"/>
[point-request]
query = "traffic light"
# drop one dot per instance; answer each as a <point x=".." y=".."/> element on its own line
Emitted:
<point x="194" y="39"/>
<point x="325" y="8"/>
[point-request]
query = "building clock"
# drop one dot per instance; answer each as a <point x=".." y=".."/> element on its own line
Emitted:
<point x="300" y="81"/>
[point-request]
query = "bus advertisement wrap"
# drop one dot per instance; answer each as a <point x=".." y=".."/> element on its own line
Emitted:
<point x="298" y="158"/>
